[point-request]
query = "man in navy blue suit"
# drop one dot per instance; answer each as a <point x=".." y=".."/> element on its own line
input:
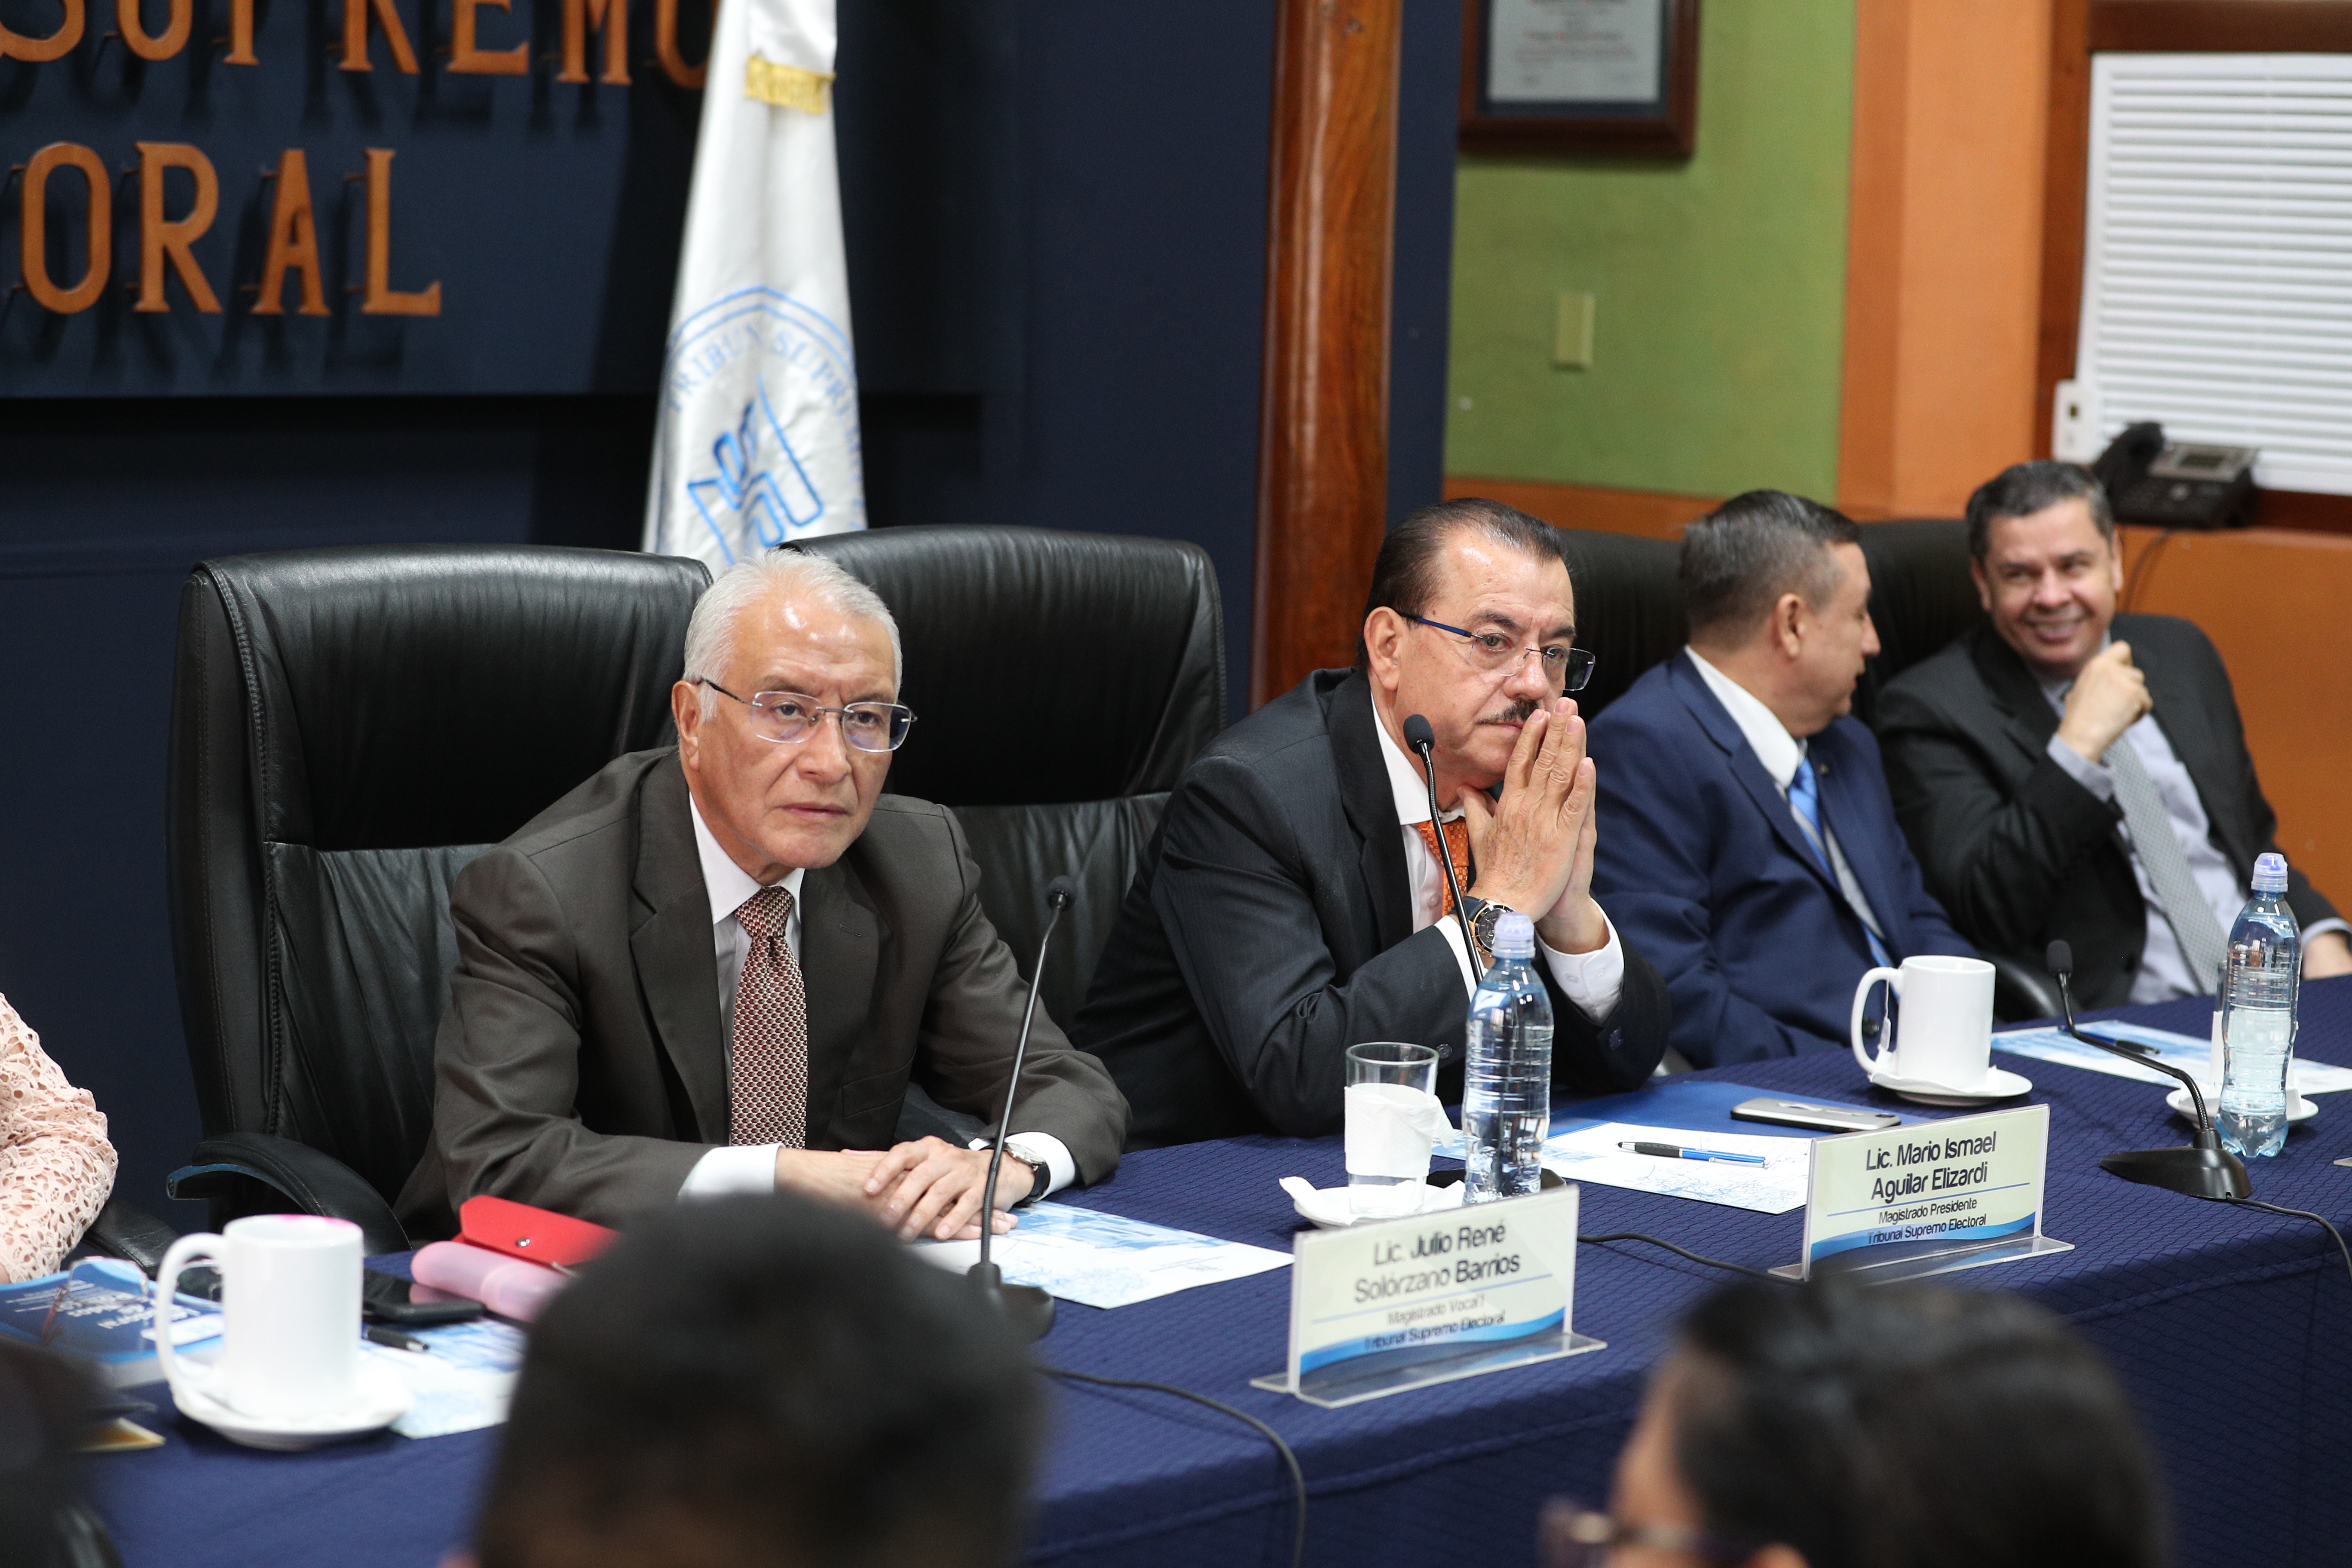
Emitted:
<point x="1749" y="846"/>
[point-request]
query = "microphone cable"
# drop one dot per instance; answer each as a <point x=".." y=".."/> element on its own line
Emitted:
<point x="2320" y="1220"/>
<point x="1698" y="1257"/>
<point x="1290" y="1459"/>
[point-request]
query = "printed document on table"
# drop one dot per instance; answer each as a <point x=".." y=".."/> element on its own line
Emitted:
<point x="1106" y="1259"/>
<point x="462" y="1384"/>
<point x="2188" y="1052"/>
<point x="1777" y="1186"/>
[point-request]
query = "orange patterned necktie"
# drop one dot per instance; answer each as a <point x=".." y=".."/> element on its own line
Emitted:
<point x="767" y="1070"/>
<point x="1457" y="839"/>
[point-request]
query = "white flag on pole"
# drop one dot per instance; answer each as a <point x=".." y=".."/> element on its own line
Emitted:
<point x="758" y="440"/>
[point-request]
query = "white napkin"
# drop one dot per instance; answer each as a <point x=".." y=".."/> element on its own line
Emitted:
<point x="1333" y="1207"/>
<point x="1390" y="1128"/>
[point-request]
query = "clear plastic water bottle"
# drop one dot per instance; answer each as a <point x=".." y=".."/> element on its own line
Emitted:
<point x="2259" y="991"/>
<point x="1506" y="1087"/>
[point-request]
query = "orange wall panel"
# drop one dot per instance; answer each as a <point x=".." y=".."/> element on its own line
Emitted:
<point x="1658" y="513"/>
<point x="1944" y="250"/>
<point x="2273" y="602"/>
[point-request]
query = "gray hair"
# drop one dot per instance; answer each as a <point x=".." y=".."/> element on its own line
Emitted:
<point x="1739" y="559"/>
<point x="711" y="634"/>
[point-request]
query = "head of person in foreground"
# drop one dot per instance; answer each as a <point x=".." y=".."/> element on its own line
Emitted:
<point x="764" y="1382"/>
<point x="1895" y="1427"/>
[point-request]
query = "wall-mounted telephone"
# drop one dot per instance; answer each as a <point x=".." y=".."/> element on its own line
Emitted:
<point x="2176" y="484"/>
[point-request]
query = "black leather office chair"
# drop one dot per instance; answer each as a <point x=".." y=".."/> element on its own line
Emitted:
<point x="1629" y="605"/>
<point x="1921" y="597"/>
<point x="1628" y="609"/>
<point x="1061" y="683"/>
<point x="349" y="729"/>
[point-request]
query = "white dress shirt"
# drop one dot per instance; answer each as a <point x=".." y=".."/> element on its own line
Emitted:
<point x="1781" y="752"/>
<point x="751" y="1167"/>
<point x="1593" y="980"/>
<point x="2163" y="971"/>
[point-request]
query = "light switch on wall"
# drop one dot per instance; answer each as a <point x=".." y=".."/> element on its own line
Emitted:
<point x="1572" y="340"/>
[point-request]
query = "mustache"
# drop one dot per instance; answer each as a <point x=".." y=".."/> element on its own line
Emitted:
<point x="1516" y="713"/>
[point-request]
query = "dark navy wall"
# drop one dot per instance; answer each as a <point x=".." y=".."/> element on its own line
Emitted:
<point x="1056" y="226"/>
<point x="546" y="212"/>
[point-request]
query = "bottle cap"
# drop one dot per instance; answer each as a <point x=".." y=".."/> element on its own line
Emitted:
<point x="1514" y="937"/>
<point x="2270" y="874"/>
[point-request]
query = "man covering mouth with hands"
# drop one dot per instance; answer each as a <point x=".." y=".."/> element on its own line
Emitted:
<point x="1294" y="900"/>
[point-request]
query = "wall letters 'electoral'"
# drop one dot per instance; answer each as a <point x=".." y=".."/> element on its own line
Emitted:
<point x="259" y="197"/>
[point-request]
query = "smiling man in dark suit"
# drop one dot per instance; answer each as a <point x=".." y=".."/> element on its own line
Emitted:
<point x="1292" y="902"/>
<point x="717" y="967"/>
<point x="1747" y="841"/>
<point x="2069" y="772"/>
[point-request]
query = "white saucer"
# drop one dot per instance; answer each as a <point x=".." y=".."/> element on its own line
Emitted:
<point x="1328" y="1207"/>
<point x="382" y="1400"/>
<point x="1999" y="1083"/>
<point x="2305" y="1107"/>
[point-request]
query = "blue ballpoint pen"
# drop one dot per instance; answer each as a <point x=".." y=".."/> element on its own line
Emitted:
<point x="1673" y="1151"/>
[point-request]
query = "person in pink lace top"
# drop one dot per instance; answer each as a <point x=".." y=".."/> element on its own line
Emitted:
<point x="55" y="1165"/>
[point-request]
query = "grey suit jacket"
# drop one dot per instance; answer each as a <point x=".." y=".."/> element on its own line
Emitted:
<point x="2017" y="850"/>
<point x="580" y="1065"/>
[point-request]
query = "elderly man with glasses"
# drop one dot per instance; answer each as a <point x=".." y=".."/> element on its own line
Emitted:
<point x="717" y="967"/>
<point x="1295" y="900"/>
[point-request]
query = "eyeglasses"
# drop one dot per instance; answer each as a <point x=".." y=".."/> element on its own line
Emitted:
<point x="785" y="717"/>
<point x="1574" y="1536"/>
<point x="1564" y="668"/>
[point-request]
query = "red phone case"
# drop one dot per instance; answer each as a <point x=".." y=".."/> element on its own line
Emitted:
<point x="519" y="1230"/>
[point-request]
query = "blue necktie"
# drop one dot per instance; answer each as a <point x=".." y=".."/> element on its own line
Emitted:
<point x="1805" y="795"/>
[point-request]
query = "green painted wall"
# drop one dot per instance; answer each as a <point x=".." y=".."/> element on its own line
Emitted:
<point x="1719" y="283"/>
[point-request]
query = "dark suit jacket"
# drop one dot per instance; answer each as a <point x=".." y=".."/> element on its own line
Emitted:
<point x="2019" y="852"/>
<point x="1703" y="863"/>
<point x="580" y="1065"/>
<point x="1271" y="928"/>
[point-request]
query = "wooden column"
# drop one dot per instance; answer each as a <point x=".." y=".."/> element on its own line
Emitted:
<point x="1322" y="477"/>
<point x="1943" y="251"/>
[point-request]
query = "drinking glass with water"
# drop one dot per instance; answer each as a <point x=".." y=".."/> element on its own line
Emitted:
<point x="1393" y="1117"/>
<point x="1506" y="1087"/>
<point x="2260" y="987"/>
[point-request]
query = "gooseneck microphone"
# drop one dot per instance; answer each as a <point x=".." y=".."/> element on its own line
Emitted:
<point x="1423" y="740"/>
<point x="2201" y="1169"/>
<point x="1029" y="1310"/>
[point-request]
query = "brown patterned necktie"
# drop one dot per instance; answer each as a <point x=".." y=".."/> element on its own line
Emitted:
<point x="767" y="1070"/>
<point x="1457" y="839"/>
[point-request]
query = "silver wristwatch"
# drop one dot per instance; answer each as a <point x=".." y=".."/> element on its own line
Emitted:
<point x="1028" y="1153"/>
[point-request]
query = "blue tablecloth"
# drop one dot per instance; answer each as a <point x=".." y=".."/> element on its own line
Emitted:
<point x="2232" y="1327"/>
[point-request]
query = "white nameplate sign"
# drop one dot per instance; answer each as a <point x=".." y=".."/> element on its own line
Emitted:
<point x="1928" y="1197"/>
<point x="1377" y="1309"/>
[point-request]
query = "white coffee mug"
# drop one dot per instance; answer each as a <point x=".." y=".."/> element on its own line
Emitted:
<point x="290" y="1316"/>
<point x="1946" y="1022"/>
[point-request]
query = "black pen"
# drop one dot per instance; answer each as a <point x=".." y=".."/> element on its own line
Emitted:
<point x="378" y="1335"/>
<point x="2132" y="1045"/>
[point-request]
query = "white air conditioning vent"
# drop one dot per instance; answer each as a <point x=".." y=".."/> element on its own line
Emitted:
<point x="2217" y="271"/>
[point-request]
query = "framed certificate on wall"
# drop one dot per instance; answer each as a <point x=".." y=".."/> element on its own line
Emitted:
<point x="1580" y="76"/>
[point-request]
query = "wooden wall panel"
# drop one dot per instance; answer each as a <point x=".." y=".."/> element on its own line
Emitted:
<point x="1944" y="250"/>
<point x="2271" y="601"/>
<point x="1323" y="414"/>
<point x="1657" y="514"/>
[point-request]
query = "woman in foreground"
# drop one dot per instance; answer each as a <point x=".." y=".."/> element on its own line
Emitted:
<point x="55" y="1165"/>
